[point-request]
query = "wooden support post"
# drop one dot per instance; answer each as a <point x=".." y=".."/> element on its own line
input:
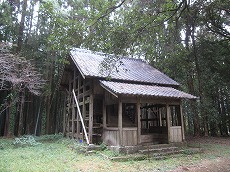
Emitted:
<point x="91" y="118"/>
<point x="104" y="114"/>
<point x="72" y="123"/>
<point x="160" y="116"/>
<point x="182" y="123"/>
<point x="78" y="119"/>
<point x="84" y="107"/>
<point x="64" y="116"/>
<point x="104" y="118"/>
<point x="168" y="122"/>
<point x="73" y="104"/>
<point x="120" y="122"/>
<point x="138" y="121"/>
<point x="69" y="108"/>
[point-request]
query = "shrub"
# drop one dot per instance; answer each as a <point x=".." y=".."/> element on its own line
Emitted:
<point x="25" y="141"/>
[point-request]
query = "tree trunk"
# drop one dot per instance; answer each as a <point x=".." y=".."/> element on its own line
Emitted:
<point x="31" y="21"/>
<point x="21" y="27"/>
<point x="198" y="72"/>
<point x="7" y="120"/>
<point x="21" y="114"/>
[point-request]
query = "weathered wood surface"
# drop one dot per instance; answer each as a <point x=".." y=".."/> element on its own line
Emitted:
<point x="129" y="136"/>
<point x="111" y="136"/>
<point x="153" y="138"/>
<point x="176" y="134"/>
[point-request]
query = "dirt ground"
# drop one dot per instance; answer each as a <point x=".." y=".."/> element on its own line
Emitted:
<point x="217" y="165"/>
<point x="220" y="164"/>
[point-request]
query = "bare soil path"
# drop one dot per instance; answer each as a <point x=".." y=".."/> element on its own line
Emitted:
<point x="219" y="164"/>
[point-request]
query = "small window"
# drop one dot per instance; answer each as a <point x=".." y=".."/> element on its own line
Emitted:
<point x="129" y="118"/>
<point x="112" y="115"/>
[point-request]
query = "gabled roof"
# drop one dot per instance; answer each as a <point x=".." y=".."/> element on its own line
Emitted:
<point x="117" y="88"/>
<point x="125" y="69"/>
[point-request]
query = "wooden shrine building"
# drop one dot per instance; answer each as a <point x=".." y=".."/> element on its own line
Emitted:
<point x="128" y="104"/>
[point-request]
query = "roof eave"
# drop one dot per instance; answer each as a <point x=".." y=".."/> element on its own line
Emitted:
<point x="109" y="90"/>
<point x="81" y="72"/>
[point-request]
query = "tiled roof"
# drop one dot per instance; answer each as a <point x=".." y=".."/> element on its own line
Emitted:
<point x="118" y="88"/>
<point x="126" y="69"/>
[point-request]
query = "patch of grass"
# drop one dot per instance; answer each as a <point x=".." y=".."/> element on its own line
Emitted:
<point x="61" y="154"/>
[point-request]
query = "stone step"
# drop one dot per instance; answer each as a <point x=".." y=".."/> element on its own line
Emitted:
<point x="155" y="146"/>
<point x="158" y="150"/>
<point x="172" y="152"/>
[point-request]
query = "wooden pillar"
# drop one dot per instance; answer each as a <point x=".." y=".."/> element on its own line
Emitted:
<point x="69" y="108"/>
<point x="138" y="121"/>
<point x="104" y="118"/>
<point x="64" y="115"/>
<point x="182" y="123"/>
<point x="73" y="104"/>
<point x="160" y="116"/>
<point x="78" y="118"/>
<point x="120" y="122"/>
<point x="104" y="114"/>
<point x="168" y="122"/>
<point x="91" y="118"/>
<point x="84" y="116"/>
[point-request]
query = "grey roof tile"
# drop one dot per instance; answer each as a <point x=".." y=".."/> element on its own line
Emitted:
<point x="118" y="88"/>
<point x="125" y="69"/>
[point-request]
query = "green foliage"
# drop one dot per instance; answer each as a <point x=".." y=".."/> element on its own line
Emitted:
<point x="49" y="138"/>
<point x="25" y="141"/>
<point x="5" y="144"/>
<point x="7" y="24"/>
<point x="160" y="32"/>
<point x="103" y="146"/>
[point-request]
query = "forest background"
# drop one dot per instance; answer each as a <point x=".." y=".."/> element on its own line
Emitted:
<point x="186" y="39"/>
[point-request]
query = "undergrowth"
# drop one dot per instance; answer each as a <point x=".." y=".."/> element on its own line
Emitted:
<point x="24" y="141"/>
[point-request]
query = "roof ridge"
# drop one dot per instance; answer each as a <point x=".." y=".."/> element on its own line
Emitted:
<point x="131" y="58"/>
<point x="83" y="50"/>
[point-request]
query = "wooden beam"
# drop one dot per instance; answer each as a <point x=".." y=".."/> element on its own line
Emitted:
<point x="120" y="122"/>
<point x="110" y="91"/>
<point x="182" y="123"/>
<point x="79" y="69"/>
<point x="91" y="118"/>
<point x="73" y="104"/>
<point x="138" y="121"/>
<point x="78" y="118"/>
<point x="83" y="105"/>
<point x="104" y="114"/>
<point x="159" y="100"/>
<point x="160" y="116"/>
<point x="168" y="122"/>
<point x="69" y="107"/>
<point x="64" y="116"/>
